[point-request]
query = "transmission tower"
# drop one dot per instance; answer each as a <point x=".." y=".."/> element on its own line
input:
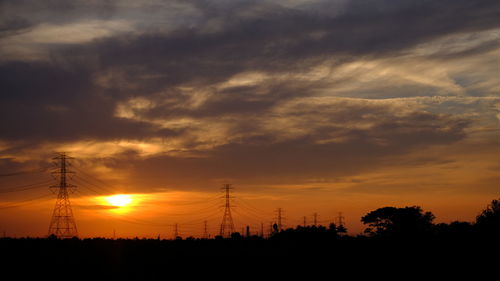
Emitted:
<point x="340" y="219"/>
<point x="280" y="218"/>
<point x="176" y="231"/>
<point x="227" y="225"/>
<point x="205" y="231"/>
<point x="62" y="223"/>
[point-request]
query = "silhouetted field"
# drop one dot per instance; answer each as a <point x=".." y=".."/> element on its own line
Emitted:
<point x="399" y="242"/>
<point x="284" y="253"/>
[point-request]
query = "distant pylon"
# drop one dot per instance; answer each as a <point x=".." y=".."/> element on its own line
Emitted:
<point x="176" y="231"/>
<point x="227" y="225"/>
<point x="315" y="215"/>
<point x="205" y="231"/>
<point x="280" y="218"/>
<point x="340" y="219"/>
<point x="305" y="221"/>
<point x="62" y="223"/>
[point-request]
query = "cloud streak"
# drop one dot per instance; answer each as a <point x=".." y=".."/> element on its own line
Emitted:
<point x="249" y="90"/>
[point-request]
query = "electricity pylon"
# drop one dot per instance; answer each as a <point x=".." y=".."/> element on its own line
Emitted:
<point x="62" y="223"/>
<point x="227" y="225"/>
<point x="340" y="219"/>
<point x="280" y="218"/>
<point x="205" y="230"/>
<point x="176" y="231"/>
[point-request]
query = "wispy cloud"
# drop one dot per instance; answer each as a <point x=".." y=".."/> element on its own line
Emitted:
<point x="250" y="90"/>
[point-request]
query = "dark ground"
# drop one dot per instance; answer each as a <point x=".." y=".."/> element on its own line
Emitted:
<point x="253" y="258"/>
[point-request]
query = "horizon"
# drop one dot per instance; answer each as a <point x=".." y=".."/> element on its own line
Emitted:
<point x="312" y="106"/>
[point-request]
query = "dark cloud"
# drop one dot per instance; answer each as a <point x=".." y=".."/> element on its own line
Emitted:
<point x="73" y="93"/>
<point x="41" y="101"/>
<point x="255" y="160"/>
<point x="288" y="39"/>
<point x="58" y="12"/>
<point x="14" y="26"/>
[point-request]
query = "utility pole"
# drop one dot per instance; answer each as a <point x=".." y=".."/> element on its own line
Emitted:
<point x="248" y="231"/>
<point x="114" y="234"/>
<point x="227" y="225"/>
<point x="176" y="231"/>
<point x="305" y="221"/>
<point x="62" y="223"/>
<point x="262" y="229"/>
<point x="315" y="215"/>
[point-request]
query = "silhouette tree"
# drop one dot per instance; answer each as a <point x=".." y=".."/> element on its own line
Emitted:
<point x="236" y="235"/>
<point x="488" y="222"/>
<point x="456" y="229"/>
<point x="407" y="221"/>
<point x="342" y="230"/>
<point x="275" y="228"/>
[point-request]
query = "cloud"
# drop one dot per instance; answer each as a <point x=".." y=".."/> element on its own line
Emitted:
<point x="96" y="207"/>
<point x="335" y="139"/>
<point x="36" y="43"/>
<point x="245" y="89"/>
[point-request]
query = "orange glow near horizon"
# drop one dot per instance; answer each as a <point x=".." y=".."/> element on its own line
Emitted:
<point x="119" y="200"/>
<point x="119" y="203"/>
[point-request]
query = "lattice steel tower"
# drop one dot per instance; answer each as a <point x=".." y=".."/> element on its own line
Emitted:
<point x="340" y="219"/>
<point x="227" y="225"/>
<point x="62" y="223"/>
<point x="205" y="230"/>
<point x="280" y="218"/>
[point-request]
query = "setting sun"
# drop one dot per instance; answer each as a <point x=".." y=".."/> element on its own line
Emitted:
<point x="119" y="200"/>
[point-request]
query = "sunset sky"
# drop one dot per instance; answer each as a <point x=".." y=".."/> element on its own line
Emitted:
<point x="314" y="106"/>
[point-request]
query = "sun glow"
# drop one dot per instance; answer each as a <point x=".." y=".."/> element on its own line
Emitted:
<point x="119" y="200"/>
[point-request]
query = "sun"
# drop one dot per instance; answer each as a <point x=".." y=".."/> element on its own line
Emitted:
<point x="119" y="200"/>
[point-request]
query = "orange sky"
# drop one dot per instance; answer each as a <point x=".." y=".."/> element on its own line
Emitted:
<point x="312" y="106"/>
<point x="443" y="188"/>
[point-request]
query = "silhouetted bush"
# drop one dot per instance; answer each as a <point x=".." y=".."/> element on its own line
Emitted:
<point x="488" y="222"/>
<point x="392" y="221"/>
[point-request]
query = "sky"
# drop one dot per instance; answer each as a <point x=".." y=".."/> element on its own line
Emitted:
<point x="312" y="106"/>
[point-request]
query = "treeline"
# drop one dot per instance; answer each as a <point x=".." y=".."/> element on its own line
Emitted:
<point x="387" y="222"/>
<point x="394" y="238"/>
<point x="406" y="223"/>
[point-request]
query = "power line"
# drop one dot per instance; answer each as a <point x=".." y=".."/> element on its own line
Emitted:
<point x="25" y="202"/>
<point x="25" y="187"/>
